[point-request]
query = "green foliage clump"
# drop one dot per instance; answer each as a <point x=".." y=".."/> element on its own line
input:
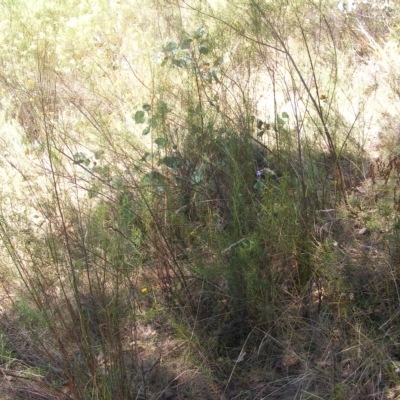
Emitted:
<point x="186" y="190"/>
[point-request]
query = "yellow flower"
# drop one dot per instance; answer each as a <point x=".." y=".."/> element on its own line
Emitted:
<point x="144" y="290"/>
<point x="192" y="233"/>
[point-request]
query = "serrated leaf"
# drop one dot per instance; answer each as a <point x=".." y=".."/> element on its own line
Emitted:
<point x="171" y="46"/>
<point x="146" y="107"/>
<point x="160" y="142"/>
<point x="285" y="115"/>
<point x="139" y="117"/>
<point x="146" y="130"/>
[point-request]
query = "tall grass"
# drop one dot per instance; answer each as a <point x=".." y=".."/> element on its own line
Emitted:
<point x="188" y="209"/>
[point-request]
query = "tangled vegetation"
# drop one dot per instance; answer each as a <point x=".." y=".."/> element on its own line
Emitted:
<point x="200" y="200"/>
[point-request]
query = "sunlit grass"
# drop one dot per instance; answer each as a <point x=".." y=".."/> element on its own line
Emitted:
<point x="187" y="204"/>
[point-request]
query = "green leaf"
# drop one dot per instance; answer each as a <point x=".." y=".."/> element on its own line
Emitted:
<point x="185" y="44"/>
<point x="259" y="185"/>
<point x="171" y="46"/>
<point x="285" y="115"/>
<point x="139" y="117"/>
<point x="152" y="122"/>
<point x="152" y="178"/>
<point x="98" y="154"/>
<point x="146" y="130"/>
<point x="171" y="162"/>
<point x="160" y="142"/>
<point x="162" y="107"/>
<point x="180" y="63"/>
<point x="146" y="156"/>
<point x="280" y="121"/>
<point x="198" y="33"/>
<point x="146" y="107"/>
<point x="80" y="158"/>
<point x="197" y="175"/>
<point x="103" y="171"/>
<point x="260" y="133"/>
<point x="203" y="49"/>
